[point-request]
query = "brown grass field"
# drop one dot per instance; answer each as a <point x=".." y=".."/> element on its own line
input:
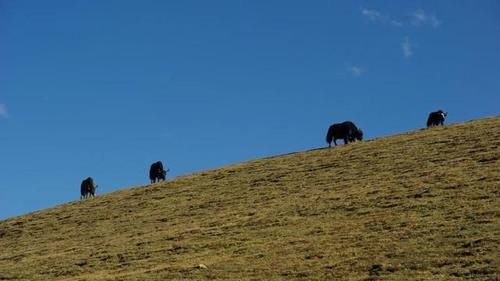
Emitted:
<point x="423" y="205"/>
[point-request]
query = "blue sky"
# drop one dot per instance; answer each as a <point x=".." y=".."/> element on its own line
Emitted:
<point x="105" y="88"/>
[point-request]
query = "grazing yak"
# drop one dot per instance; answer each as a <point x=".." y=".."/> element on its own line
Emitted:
<point x="436" y="118"/>
<point x="346" y="131"/>
<point x="157" y="173"/>
<point x="87" y="189"/>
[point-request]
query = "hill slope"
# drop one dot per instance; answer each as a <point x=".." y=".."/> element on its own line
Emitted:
<point x="418" y="206"/>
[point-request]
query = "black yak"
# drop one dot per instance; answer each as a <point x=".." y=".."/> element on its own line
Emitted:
<point x="157" y="173"/>
<point x="87" y="188"/>
<point x="436" y="118"/>
<point x="346" y="131"/>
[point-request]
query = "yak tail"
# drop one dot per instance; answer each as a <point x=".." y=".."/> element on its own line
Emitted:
<point x="329" y="136"/>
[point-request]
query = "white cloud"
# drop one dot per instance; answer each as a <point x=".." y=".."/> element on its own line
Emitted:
<point x="356" y="71"/>
<point x="420" y="17"/>
<point x="3" y="111"/>
<point x="377" y="16"/>
<point x="396" y="23"/>
<point x="371" y="14"/>
<point x="417" y="18"/>
<point x="407" y="50"/>
<point x="434" y="21"/>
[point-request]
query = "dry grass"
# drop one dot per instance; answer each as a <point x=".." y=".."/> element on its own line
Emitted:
<point x="417" y="206"/>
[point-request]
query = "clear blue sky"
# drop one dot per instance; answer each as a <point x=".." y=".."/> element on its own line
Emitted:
<point x="105" y="88"/>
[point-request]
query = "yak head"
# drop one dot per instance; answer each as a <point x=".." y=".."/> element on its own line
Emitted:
<point x="358" y="135"/>
<point x="444" y="114"/>
<point x="355" y="135"/>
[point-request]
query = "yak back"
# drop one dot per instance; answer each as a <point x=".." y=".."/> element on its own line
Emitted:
<point x="157" y="166"/>
<point x="88" y="183"/>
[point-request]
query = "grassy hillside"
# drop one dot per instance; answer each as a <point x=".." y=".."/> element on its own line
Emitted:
<point x="423" y="205"/>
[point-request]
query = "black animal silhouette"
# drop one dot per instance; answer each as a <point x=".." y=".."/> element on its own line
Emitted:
<point x="87" y="188"/>
<point x="346" y="131"/>
<point x="157" y="173"/>
<point x="436" y="118"/>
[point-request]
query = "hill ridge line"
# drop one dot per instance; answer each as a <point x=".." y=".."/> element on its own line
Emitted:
<point x="421" y="205"/>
